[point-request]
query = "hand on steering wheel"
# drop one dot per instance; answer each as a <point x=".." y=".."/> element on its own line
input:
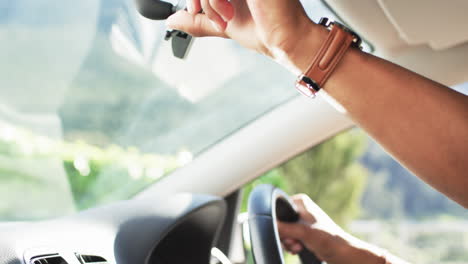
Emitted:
<point x="268" y="204"/>
<point x="304" y="229"/>
<point x="315" y="230"/>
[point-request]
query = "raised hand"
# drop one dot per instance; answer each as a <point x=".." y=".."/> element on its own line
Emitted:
<point x="271" y="27"/>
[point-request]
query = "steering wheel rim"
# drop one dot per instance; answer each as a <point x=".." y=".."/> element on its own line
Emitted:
<point x="266" y="204"/>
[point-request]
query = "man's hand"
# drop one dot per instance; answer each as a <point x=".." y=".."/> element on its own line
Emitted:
<point x="318" y="233"/>
<point x="275" y="28"/>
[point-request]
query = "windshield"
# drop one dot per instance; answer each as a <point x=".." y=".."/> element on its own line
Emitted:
<point x="94" y="107"/>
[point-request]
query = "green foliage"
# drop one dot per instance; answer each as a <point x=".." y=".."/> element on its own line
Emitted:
<point x="273" y="177"/>
<point x="95" y="175"/>
<point x="328" y="173"/>
<point x="114" y="174"/>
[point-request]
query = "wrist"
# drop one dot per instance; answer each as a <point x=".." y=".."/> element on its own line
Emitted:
<point x="361" y="252"/>
<point x="297" y="54"/>
<point x="344" y="248"/>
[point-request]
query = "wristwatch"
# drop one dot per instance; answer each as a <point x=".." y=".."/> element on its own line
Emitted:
<point x="329" y="55"/>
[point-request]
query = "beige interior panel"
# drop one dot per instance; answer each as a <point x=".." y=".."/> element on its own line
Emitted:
<point x="255" y="149"/>
<point x="448" y="66"/>
<point x="440" y="24"/>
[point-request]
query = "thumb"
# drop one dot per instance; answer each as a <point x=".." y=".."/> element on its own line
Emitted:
<point x="295" y="231"/>
<point x="197" y="25"/>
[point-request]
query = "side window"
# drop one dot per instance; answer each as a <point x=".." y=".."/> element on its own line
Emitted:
<point x="374" y="198"/>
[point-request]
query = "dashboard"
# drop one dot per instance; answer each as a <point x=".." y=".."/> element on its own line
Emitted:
<point x="178" y="229"/>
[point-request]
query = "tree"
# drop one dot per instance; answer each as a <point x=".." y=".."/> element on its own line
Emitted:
<point x="328" y="173"/>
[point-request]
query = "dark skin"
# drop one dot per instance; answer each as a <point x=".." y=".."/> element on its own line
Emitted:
<point x="422" y="123"/>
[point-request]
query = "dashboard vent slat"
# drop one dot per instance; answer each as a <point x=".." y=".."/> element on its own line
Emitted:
<point x="54" y="259"/>
<point x="91" y="259"/>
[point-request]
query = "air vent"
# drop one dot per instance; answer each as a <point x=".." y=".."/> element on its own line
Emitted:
<point x="86" y="259"/>
<point x="51" y="259"/>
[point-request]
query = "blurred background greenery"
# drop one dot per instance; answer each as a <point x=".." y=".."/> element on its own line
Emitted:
<point x="327" y="173"/>
<point x="29" y="164"/>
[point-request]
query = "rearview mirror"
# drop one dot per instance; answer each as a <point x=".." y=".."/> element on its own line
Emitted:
<point x="155" y="9"/>
<point x="161" y="10"/>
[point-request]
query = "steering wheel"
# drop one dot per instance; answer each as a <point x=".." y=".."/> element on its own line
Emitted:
<point x="266" y="204"/>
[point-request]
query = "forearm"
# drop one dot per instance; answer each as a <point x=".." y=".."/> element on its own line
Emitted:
<point x="362" y="252"/>
<point x="420" y="122"/>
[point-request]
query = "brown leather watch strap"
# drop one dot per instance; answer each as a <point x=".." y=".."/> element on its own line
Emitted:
<point x="330" y="53"/>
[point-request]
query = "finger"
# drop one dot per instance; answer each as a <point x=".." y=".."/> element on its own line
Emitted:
<point x="285" y="247"/>
<point x="193" y="6"/>
<point x="288" y="241"/>
<point x="218" y="21"/>
<point x="223" y="7"/>
<point x="292" y="246"/>
<point x="296" y="248"/>
<point x="291" y="231"/>
<point x="197" y="25"/>
<point x="300" y="199"/>
<point x="306" y="208"/>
